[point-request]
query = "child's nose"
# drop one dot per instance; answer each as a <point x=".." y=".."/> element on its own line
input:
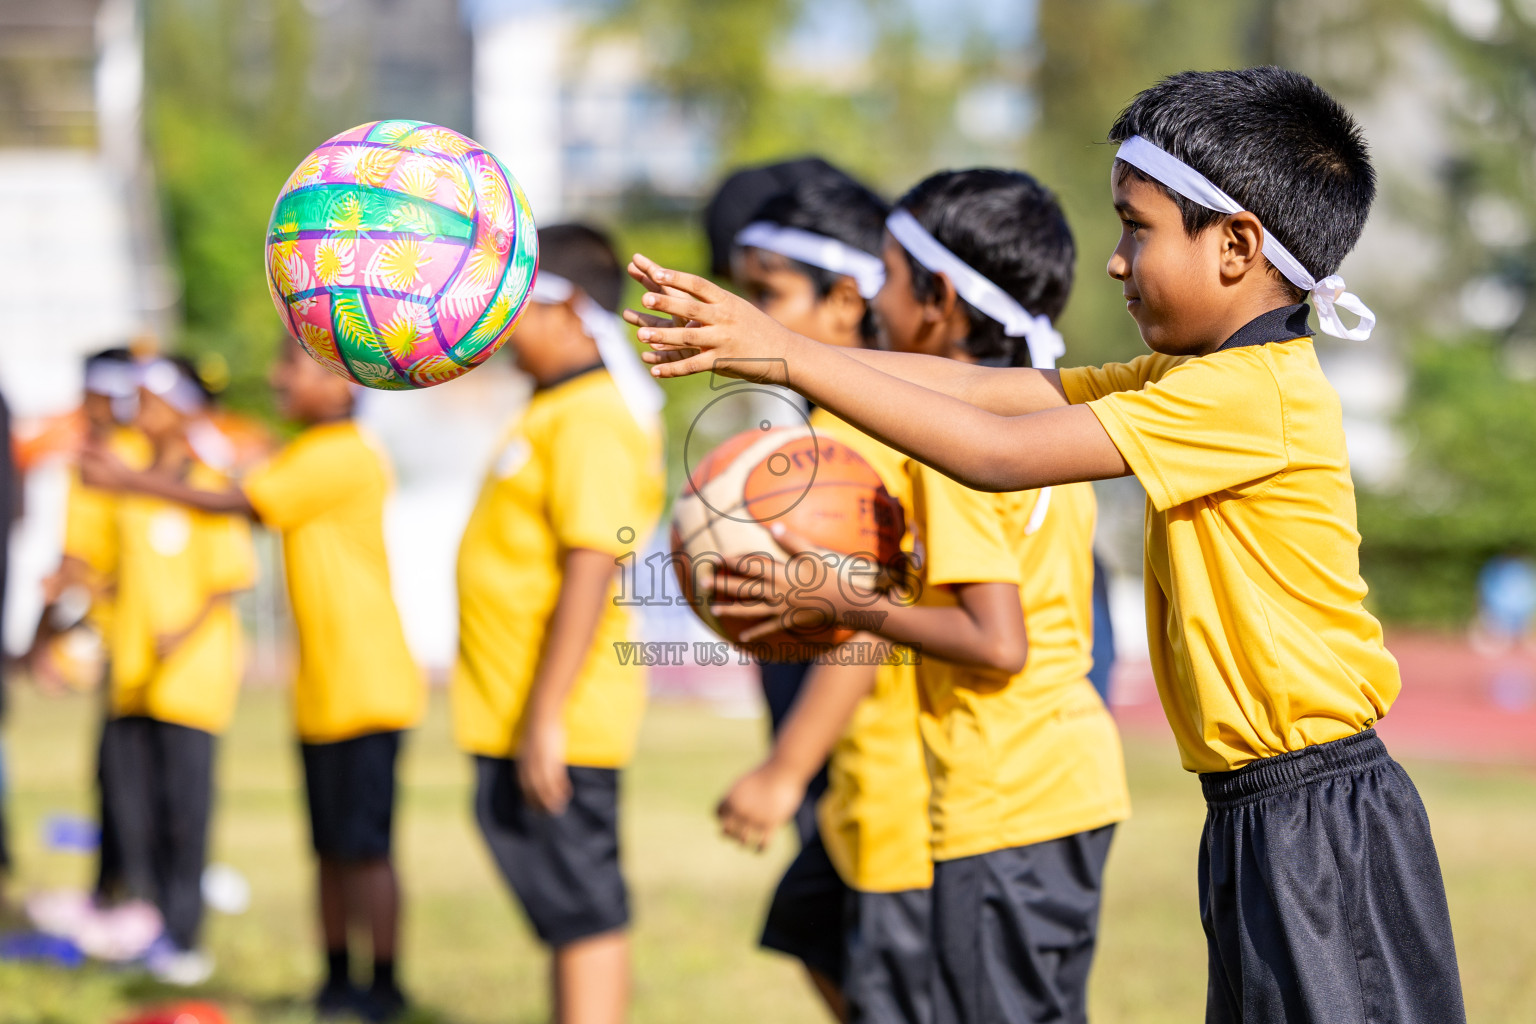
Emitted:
<point x="1118" y="266"/>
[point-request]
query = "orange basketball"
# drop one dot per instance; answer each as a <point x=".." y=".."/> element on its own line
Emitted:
<point x="819" y="488"/>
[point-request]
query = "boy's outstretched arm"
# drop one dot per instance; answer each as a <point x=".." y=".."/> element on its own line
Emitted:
<point x="981" y="449"/>
<point x="1007" y="391"/>
<point x="100" y="468"/>
<point x="760" y="802"/>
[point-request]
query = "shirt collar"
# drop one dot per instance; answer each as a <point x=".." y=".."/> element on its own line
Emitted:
<point x="1283" y="324"/>
<point x="580" y="371"/>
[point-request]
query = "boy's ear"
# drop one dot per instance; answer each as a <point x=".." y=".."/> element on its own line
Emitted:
<point x="1242" y="245"/>
<point x="845" y="304"/>
<point x="941" y="306"/>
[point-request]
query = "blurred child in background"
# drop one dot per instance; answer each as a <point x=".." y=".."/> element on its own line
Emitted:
<point x="176" y="666"/>
<point x="854" y="904"/>
<point x="83" y="590"/>
<point x="1024" y="761"/>
<point x="540" y="697"/>
<point x="357" y="688"/>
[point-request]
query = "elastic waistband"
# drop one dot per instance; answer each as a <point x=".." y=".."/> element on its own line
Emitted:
<point x="1295" y="769"/>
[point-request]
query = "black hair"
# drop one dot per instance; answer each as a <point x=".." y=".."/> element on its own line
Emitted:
<point x="1009" y="228"/>
<point x="109" y="355"/>
<point x="583" y="255"/>
<point x="1272" y="140"/>
<point x="188" y="369"/>
<point x="837" y="208"/>
<point x="744" y="192"/>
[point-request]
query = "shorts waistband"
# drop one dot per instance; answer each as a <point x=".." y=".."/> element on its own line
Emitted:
<point x="1294" y="769"/>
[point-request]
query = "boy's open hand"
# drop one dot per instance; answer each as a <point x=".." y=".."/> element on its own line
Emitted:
<point x="758" y="805"/>
<point x="705" y="328"/>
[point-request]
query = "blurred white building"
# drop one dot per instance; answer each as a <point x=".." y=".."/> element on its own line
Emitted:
<point x="574" y="113"/>
<point x="84" y="264"/>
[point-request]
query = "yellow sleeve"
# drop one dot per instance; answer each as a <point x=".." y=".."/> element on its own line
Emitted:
<point x="963" y="537"/>
<point x="226" y="557"/>
<point x="1085" y="383"/>
<point x="602" y="479"/>
<point x="1209" y="425"/>
<point x="305" y="480"/>
<point x="89" y="533"/>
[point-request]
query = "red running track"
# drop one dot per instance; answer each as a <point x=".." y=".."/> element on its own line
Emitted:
<point x="1457" y="704"/>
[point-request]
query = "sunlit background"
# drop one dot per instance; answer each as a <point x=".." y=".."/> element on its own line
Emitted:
<point x="142" y="144"/>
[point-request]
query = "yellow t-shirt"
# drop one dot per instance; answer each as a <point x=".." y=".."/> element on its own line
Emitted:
<point x="575" y="471"/>
<point x="169" y="561"/>
<point x="874" y="815"/>
<point x="325" y="494"/>
<point x="1036" y="757"/>
<point x="90" y="532"/>
<point x="1256" y="621"/>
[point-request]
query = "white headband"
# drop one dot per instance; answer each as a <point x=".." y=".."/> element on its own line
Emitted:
<point x="1328" y="293"/>
<point x="817" y="250"/>
<point x="165" y="379"/>
<point x="640" y="391"/>
<point x="1045" y="344"/>
<point x="114" y="378"/>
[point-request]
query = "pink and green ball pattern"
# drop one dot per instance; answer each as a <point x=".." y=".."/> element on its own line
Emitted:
<point x="401" y="254"/>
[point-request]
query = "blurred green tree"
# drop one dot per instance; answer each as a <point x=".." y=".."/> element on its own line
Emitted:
<point x="228" y="117"/>
<point x="1468" y="491"/>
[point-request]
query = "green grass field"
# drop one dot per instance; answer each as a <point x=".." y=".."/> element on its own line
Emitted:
<point x="469" y="958"/>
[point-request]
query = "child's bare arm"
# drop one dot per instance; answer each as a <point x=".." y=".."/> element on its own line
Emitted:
<point x="1006" y="390"/>
<point x="760" y="802"/>
<point x="166" y="644"/>
<point x="983" y="631"/>
<point x="981" y="449"/>
<point x="541" y="767"/>
<point x="100" y="468"/>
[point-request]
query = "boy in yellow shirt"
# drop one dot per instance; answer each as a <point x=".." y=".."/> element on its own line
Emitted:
<point x="1320" y="890"/>
<point x="540" y="696"/>
<point x="1025" y="764"/>
<point x="176" y="665"/>
<point x="357" y="688"/>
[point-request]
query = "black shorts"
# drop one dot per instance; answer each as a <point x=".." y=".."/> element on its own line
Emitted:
<point x="888" y="956"/>
<point x="1321" y="894"/>
<point x="563" y="867"/>
<point x="805" y="916"/>
<point x="874" y="946"/>
<point x="351" y="789"/>
<point x="1014" y="931"/>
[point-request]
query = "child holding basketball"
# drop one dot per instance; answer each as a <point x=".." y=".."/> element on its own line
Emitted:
<point x="853" y="905"/>
<point x="357" y="688"/>
<point x="1320" y="889"/>
<point x="176" y="667"/>
<point x="1024" y="759"/>
<point x="540" y="697"/>
<point x="745" y="224"/>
